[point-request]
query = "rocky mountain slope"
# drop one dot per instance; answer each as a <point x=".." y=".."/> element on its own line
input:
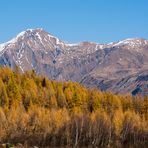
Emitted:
<point x="121" y="67"/>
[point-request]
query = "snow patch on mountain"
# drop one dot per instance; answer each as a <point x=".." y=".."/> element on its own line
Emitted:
<point x="71" y="45"/>
<point x="14" y="40"/>
<point x="132" y="42"/>
<point x="2" y="46"/>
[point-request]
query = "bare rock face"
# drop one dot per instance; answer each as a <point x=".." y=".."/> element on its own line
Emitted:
<point x="121" y="67"/>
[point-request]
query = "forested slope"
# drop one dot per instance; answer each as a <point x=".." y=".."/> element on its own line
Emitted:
<point x="37" y="111"/>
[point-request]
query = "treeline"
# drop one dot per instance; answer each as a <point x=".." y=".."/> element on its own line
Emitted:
<point x="37" y="111"/>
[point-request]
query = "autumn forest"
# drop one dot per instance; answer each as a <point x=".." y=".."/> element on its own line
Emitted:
<point x="42" y="112"/>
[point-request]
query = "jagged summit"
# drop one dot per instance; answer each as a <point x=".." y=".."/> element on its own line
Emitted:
<point x="31" y="34"/>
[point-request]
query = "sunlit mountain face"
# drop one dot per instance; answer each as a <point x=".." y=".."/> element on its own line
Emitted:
<point x="121" y="67"/>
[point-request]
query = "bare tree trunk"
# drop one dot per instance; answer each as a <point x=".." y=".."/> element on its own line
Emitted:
<point x="77" y="134"/>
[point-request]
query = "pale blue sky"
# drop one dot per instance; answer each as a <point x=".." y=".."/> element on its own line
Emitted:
<point x="99" y="21"/>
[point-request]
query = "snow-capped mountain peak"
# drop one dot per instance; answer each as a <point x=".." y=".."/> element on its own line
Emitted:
<point x="33" y="37"/>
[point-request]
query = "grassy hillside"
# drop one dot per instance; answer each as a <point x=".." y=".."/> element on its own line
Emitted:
<point x="38" y="111"/>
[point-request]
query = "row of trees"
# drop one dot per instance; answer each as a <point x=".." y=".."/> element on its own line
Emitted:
<point x="37" y="111"/>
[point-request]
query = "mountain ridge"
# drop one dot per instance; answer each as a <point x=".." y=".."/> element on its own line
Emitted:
<point x="115" y="43"/>
<point x="92" y="64"/>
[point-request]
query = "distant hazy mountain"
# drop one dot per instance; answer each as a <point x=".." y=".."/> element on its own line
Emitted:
<point x="121" y="67"/>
